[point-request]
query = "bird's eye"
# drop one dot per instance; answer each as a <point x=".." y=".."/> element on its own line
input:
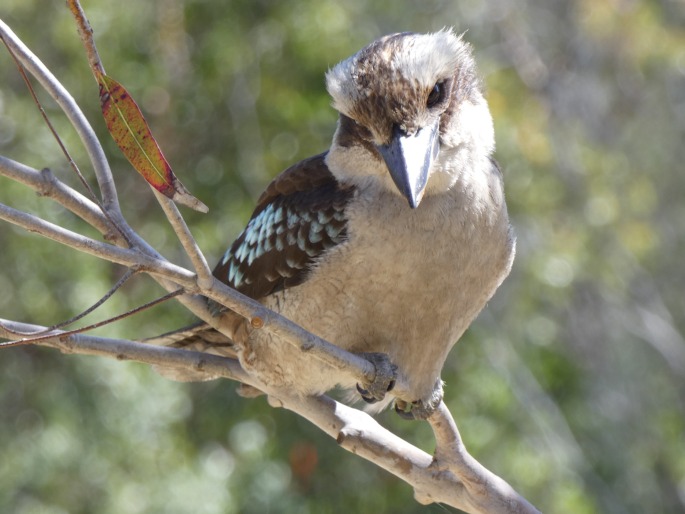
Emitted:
<point x="436" y="95"/>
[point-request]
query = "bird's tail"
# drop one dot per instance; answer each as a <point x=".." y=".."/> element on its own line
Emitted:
<point x="199" y="337"/>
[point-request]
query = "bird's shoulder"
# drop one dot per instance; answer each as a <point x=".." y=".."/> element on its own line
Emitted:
<point x="299" y="216"/>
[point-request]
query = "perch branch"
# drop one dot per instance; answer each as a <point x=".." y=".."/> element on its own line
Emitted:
<point x="435" y="479"/>
<point x="479" y="482"/>
<point x="122" y="349"/>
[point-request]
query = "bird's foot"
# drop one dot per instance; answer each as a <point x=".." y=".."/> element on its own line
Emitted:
<point x="420" y="409"/>
<point x="384" y="381"/>
<point x="413" y="410"/>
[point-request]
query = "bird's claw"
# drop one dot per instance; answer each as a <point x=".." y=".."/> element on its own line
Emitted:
<point x="420" y="409"/>
<point x="413" y="410"/>
<point x="383" y="382"/>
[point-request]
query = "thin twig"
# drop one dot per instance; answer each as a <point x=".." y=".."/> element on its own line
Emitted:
<point x="87" y="135"/>
<point x="86" y="33"/>
<point x="71" y="109"/>
<point x="129" y="273"/>
<point x="66" y="153"/>
<point x="136" y="310"/>
<point x="182" y="231"/>
<point x="71" y="162"/>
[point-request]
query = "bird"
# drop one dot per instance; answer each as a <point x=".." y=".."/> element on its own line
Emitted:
<point x="390" y="242"/>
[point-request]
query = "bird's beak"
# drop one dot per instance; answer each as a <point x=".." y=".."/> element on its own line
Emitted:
<point x="409" y="159"/>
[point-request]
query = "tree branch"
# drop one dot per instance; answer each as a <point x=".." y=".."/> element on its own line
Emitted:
<point x="442" y="478"/>
<point x="73" y="112"/>
<point x="483" y="490"/>
<point x="259" y="316"/>
<point x="46" y="184"/>
<point x="122" y="349"/>
<point x="187" y="240"/>
<point x="126" y="257"/>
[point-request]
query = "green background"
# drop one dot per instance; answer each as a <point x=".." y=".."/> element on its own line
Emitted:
<point x="570" y="385"/>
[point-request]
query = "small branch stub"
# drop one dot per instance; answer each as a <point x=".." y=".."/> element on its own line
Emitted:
<point x="257" y="322"/>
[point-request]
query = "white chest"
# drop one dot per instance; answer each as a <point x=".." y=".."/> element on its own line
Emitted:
<point x="408" y="282"/>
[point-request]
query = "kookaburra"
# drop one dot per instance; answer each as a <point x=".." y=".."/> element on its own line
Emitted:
<point x="393" y="240"/>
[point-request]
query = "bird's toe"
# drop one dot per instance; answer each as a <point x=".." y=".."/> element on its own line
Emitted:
<point x="413" y="410"/>
<point x="420" y="409"/>
<point x="384" y="381"/>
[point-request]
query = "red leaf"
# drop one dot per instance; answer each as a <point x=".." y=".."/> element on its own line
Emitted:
<point x="132" y="134"/>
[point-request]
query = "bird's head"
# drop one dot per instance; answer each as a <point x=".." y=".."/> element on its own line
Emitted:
<point x="412" y="114"/>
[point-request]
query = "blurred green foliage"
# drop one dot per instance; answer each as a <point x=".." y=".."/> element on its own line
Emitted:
<point x="571" y="384"/>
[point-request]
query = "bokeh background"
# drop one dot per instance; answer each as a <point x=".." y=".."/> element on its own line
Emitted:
<point x="570" y="385"/>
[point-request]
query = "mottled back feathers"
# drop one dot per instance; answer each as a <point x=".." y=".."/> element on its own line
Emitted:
<point x="298" y="217"/>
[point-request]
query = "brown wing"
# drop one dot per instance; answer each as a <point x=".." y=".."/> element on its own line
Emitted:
<point x="300" y="216"/>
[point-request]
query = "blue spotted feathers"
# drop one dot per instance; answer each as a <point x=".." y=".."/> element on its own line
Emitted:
<point x="299" y="217"/>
